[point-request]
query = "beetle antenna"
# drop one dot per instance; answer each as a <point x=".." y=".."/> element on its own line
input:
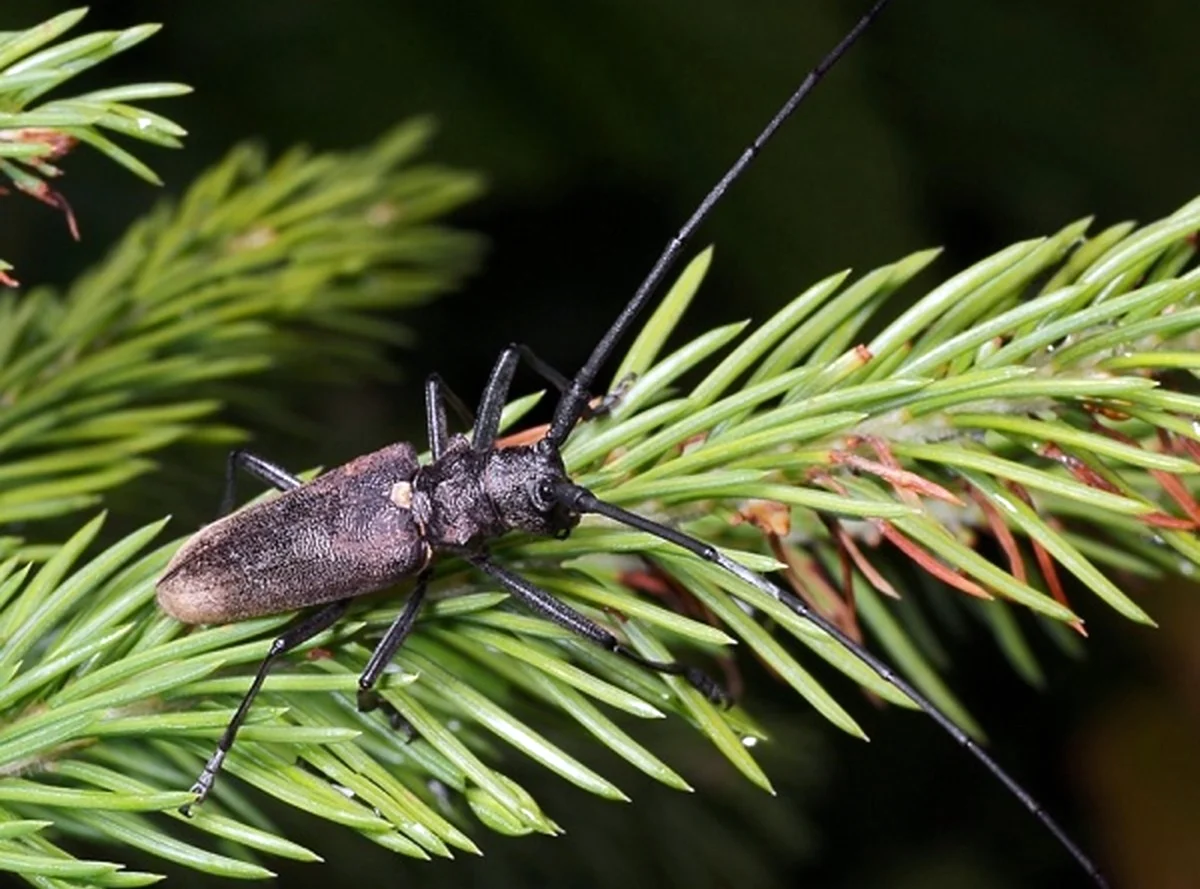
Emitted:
<point x="574" y="399"/>
<point x="582" y="500"/>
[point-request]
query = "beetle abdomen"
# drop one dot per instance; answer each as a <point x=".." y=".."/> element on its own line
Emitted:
<point x="344" y="534"/>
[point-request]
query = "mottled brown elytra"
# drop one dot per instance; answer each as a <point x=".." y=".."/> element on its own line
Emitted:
<point x="383" y="518"/>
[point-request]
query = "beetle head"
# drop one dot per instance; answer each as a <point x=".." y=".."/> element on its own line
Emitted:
<point x="522" y="483"/>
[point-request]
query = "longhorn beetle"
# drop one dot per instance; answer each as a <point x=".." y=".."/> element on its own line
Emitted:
<point x="383" y="517"/>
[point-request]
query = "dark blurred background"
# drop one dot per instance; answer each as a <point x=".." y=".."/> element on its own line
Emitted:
<point x="599" y="125"/>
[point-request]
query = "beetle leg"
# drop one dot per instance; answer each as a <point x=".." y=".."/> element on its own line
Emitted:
<point x="495" y="394"/>
<point x="596" y="407"/>
<point x="296" y="636"/>
<point x="437" y="396"/>
<point x="565" y="616"/>
<point x="607" y="403"/>
<point x="274" y="475"/>
<point x="368" y="697"/>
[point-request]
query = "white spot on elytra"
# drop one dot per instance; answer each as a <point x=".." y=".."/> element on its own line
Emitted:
<point x="401" y="495"/>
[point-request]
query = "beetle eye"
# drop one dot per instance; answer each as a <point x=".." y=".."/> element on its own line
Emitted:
<point x="545" y="493"/>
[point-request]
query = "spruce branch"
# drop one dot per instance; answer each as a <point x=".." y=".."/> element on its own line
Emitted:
<point x="1035" y="399"/>
<point x="36" y="133"/>
<point x="285" y="266"/>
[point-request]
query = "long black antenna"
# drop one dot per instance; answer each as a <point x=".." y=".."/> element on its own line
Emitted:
<point x="574" y="400"/>
<point x="584" y="501"/>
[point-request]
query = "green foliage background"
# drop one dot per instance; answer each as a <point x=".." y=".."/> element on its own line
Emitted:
<point x="904" y="149"/>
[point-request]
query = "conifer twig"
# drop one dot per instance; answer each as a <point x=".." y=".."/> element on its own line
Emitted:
<point x="37" y="133"/>
<point x="1033" y="398"/>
